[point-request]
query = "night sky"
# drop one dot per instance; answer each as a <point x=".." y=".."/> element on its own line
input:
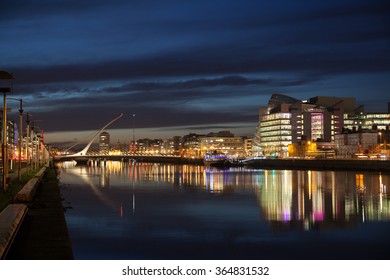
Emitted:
<point x="187" y="66"/>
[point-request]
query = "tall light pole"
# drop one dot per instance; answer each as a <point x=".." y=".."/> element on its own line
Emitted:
<point x="27" y="142"/>
<point x="20" y="137"/>
<point x="38" y="148"/>
<point x="4" y="75"/>
<point x="33" y="135"/>
<point x="134" y="149"/>
<point x="134" y="133"/>
<point x="20" y="134"/>
<point x="35" y="140"/>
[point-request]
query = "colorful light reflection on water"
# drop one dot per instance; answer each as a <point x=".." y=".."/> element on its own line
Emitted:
<point x="160" y="211"/>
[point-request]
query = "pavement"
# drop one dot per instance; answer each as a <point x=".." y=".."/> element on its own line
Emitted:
<point x="43" y="234"/>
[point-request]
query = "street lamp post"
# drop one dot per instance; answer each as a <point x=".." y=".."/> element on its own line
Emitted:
<point x="133" y="143"/>
<point x="5" y="76"/>
<point x="4" y="150"/>
<point x="39" y="149"/>
<point x="35" y="143"/>
<point x="27" y="142"/>
<point x="20" y="135"/>
<point x="380" y="142"/>
<point x="34" y="152"/>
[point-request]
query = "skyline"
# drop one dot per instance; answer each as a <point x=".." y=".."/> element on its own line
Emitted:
<point x="187" y="67"/>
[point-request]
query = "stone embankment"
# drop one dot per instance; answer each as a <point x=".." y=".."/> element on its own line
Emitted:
<point x="39" y="230"/>
<point x="321" y="164"/>
<point x="12" y="216"/>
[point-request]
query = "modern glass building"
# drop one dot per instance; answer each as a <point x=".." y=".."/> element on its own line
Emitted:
<point x="104" y="143"/>
<point x="222" y="142"/>
<point x="375" y="121"/>
<point x="230" y="146"/>
<point x="287" y="120"/>
<point x="275" y="132"/>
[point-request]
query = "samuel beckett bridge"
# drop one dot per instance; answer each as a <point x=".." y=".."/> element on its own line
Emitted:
<point x="94" y="153"/>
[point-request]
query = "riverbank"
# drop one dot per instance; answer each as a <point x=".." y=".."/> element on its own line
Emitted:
<point x="43" y="234"/>
<point x="15" y="185"/>
<point x="321" y="164"/>
<point x="267" y="163"/>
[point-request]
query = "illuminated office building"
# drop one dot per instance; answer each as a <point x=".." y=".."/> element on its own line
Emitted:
<point x="287" y="120"/>
<point x="104" y="143"/>
<point x="356" y="142"/>
<point x="374" y="121"/>
<point x="247" y="146"/>
<point x="177" y="144"/>
<point x="190" y="145"/>
<point x="11" y="136"/>
<point x="222" y="142"/>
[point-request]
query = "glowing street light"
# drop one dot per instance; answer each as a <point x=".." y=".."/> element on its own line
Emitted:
<point x="35" y="137"/>
<point x="4" y="75"/>
<point x="27" y="144"/>
<point x="20" y="134"/>
<point x="133" y="148"/>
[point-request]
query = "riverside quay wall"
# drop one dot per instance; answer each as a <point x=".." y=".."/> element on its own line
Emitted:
<point x="322" y="164"/>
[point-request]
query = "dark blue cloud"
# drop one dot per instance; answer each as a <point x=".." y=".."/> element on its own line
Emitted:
<point x="81" y="61"/>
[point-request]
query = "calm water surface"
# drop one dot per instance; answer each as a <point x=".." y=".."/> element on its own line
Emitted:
<point x="161" y="211"/>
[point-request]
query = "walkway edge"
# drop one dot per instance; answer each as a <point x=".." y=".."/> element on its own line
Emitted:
<point x="43" y="234"/>
<point x="26" y="194"/>
<point x="13" y="214"/>
<point x="10" y="220"/>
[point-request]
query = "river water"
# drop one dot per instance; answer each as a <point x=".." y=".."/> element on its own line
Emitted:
<point x="162" y="211"/>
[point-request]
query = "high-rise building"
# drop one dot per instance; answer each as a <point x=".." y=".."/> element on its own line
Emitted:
<point x="275" y="133"/>
<point x="247" y="146"/>
<point x="11" y="140"/>
<point x="104" y="143"/>
<point x="377" y="123"/>
<point x="287" y="120"/>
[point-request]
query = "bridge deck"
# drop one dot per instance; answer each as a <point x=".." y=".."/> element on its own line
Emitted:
<point x="138" y="158"/>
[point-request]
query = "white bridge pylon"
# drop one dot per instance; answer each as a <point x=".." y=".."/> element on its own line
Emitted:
<point x="83" y="152"/>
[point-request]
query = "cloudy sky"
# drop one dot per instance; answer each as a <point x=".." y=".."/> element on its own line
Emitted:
<point x="187" y="66"/>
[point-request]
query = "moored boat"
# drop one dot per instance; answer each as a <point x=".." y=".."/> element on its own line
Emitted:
<point x="216" y="159"/>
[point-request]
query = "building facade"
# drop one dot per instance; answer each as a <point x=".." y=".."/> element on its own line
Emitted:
<point x="11" y="137"/>
<point x="191" y="145"/>
<point x="104" y="143"/>
<point x="222" y="142"/>
<point x="375" y="121"/>
<point x="354" y="143"/>
<point x="287" y="120"/>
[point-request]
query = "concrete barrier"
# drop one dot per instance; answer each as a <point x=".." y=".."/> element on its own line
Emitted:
<point x="10" y="220"/>
<point x="322" y="164"/>
<point x="26" y="194"/>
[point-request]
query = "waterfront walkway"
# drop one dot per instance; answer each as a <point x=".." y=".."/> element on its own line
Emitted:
<point x="43" y="234"/>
